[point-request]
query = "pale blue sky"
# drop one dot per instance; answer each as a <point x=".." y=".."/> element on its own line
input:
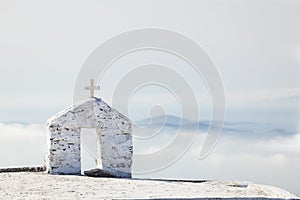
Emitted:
<point x="255" y="45"/>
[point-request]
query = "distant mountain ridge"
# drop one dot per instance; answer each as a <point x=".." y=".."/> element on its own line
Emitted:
<point x="240" y="127"/>
<point x="244" y="128"/>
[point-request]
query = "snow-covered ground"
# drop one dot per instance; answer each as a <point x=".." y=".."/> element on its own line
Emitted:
<point x="38" y="185"/>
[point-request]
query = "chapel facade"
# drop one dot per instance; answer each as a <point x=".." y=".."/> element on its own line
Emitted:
<point x="114" y="139"/>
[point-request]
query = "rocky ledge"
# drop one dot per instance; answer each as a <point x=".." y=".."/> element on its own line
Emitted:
<point x="40" y="185"/>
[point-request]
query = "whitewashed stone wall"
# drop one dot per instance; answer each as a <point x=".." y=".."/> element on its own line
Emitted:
<point x="114" y="140"/>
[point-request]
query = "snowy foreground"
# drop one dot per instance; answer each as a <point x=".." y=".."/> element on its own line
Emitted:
<point x="38" y="185"/>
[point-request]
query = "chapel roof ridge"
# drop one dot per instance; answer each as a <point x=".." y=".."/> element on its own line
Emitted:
<point x="75" y="104"/>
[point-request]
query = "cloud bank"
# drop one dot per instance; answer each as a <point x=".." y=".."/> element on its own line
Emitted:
<point x="268" y="160"/>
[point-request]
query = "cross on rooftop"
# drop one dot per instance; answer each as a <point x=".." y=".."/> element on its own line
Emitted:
<point x="92" y="88"/>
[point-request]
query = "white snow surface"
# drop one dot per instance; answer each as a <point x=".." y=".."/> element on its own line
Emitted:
<point x="40" y="185"/>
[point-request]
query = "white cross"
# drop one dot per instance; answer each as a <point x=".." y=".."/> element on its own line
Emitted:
<point x="92" y="88"/>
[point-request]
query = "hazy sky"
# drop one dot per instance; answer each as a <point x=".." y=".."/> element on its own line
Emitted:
<point x="255" y="45"/>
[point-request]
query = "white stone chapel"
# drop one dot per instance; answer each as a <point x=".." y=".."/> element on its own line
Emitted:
<point x="114" y="139"/>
